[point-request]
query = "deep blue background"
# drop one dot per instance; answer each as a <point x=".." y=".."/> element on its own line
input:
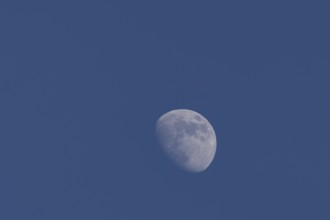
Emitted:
<point x="82" y="84"/>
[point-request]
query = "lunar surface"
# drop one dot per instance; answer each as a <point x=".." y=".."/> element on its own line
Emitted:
<point x="187" y="138"/>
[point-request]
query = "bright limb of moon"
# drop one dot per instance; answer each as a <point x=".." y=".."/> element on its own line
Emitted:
<point x="187" y="138"/>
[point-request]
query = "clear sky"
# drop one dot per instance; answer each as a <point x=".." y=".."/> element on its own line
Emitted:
<point x="82" y="84"/>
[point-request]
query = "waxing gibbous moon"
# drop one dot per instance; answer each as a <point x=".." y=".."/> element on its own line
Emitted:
<point x="187" y="138"/>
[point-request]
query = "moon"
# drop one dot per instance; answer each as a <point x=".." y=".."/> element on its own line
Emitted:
<point x="187" y="138"/>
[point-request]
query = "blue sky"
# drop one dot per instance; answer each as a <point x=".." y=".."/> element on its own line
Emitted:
<point x="83" y="83"/>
